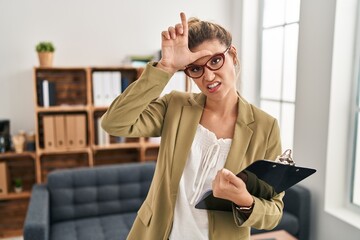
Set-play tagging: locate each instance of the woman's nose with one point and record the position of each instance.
(209, 75)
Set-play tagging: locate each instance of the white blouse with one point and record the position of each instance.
(207, 155)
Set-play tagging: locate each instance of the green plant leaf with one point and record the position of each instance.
(45, 47)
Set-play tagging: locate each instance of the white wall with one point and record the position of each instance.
(312, 112)
(85, 33)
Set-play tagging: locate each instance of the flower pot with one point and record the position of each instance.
(18, 189)
(46, 59)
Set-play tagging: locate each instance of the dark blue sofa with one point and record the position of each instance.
(101, 203)
(97, 203)
(296, 216)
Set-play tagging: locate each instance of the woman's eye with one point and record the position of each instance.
(215, 60)
(195, 69)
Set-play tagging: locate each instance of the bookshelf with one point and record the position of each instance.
(85, 93)
(68, 133)
(67, 95)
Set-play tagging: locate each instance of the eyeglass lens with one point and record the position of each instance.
(214, 63)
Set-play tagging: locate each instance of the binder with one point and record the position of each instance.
(70, 125)
(80, 130)
(116, 84)
(97, 89)
(60, 138)
(4, 179)
(107, 88)
(273, 176)
(49, 132)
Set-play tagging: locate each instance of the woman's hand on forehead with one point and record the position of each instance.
(175, 51)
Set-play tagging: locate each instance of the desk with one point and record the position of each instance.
(275, 235)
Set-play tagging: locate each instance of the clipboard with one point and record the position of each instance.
(273, 174)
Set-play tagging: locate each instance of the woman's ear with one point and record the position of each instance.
(233, 53)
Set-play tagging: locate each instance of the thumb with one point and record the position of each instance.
(199, 54)
(230, 176)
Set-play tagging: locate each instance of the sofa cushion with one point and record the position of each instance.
(289, 223)
(111, 227)
(91, 192)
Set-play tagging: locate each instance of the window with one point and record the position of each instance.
(343, 153)
(355, 109)
(280, 30)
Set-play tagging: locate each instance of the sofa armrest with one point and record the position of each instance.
(297, 202)
(36, 226)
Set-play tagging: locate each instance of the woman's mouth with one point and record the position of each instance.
(213, 87)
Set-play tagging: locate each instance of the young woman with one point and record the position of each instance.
(206, 138)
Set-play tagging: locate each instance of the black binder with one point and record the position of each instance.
(275, 175)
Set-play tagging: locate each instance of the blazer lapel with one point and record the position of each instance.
(190, 118)
(242, 137)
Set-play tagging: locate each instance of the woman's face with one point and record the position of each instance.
(216, 84)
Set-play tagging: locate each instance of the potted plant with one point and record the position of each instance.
(45, 52)
(18, 185)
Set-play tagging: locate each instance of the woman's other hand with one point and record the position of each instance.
(228, 186)
(174, 48)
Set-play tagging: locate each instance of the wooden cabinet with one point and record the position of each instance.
(13, 206)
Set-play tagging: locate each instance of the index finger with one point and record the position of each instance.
(184, 23)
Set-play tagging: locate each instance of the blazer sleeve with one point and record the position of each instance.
(267, 213)
(138, 111)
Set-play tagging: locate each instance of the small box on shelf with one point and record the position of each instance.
(4, 179)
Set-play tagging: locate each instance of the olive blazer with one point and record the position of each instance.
(139, 112)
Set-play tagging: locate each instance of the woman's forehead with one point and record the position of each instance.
(213, 46)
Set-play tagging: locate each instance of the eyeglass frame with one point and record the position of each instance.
(205, 65)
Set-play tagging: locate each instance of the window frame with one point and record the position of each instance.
(281, 101)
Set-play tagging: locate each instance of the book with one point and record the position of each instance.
(52, 94)
(45, 94)
(39, 90)
(48, 93)
(125, 82)
(269, 176)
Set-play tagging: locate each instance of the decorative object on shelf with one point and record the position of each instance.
(45, 52)
(19, 142)
(18, 185)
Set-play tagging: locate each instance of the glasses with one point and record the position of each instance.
(214, 63)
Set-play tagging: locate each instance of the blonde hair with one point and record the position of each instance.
(201, 31)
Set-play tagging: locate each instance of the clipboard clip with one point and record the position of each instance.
(285, 158)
